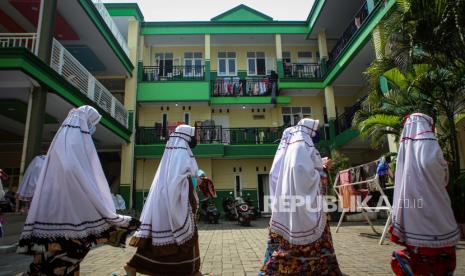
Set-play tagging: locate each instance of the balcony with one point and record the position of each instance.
(302, 71)
(218, 135)
(236, 87)
(64, 63)
(173, 73)
(111, 25)
(349, 33)
(21, 40)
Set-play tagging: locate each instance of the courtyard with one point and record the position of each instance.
(229, 249)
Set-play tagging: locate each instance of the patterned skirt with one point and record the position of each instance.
(420, 261)
(63, 256)
(174, 260)
(317, 258)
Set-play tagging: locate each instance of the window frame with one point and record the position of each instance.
(227, 60)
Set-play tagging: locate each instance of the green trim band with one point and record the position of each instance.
(125, 9)
(97, 19)
(22, 59)
(314, 14)
(249, 100)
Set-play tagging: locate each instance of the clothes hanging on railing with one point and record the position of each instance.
(228, 87)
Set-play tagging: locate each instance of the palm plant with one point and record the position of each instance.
(423, 61)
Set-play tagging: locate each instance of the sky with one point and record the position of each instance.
(204, 10)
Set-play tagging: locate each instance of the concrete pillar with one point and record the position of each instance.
(323, 49)
(130, 93)
(322, 45)
(38, 100)
(207, 57)
(279, 56)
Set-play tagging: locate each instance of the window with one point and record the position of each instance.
(304, 57)
(256, 64)
(164, 61)
(193, 64)
(258, 117)
(237, 186)
(187, 118)
(318, 57)
(227, 64)
(292, 115)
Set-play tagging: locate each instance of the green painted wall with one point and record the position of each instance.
(241, 151)
(125, 9)
(180, 91)
(212, 150)
(249, 100)
(222, 28)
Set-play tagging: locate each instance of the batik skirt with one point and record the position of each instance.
(63, 256)
(317, 258)
(176, 260)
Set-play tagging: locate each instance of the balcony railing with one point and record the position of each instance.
(234, 86)
(358, 20)
(111, 25)
(302, 71)
(344, 121)
(218, 135)
(23, 40)
(64, 63)
(166, 73)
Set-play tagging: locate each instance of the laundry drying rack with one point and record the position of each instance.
(360, 182)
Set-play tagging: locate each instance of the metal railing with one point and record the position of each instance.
(234, 86)
(111, 25)
(302, 71)
(175, 72)
(218, 135)
(65, 64)
(14, 40)
(344, 121)
(357, 21)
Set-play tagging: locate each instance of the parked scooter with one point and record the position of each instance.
(229, 207)
(255, 211)
(244, 214)
(209, 210)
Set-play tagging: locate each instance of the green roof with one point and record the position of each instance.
(242, 13)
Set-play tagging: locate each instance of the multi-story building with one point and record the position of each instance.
(54, 56)
(240, 78)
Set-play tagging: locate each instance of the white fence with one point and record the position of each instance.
(11, 40)
(111, 24)
(69, 67)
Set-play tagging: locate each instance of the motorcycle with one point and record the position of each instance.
(255, 211)
(209, 210)
(244, 214)
(229, 207)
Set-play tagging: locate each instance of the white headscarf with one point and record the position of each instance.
(167, 215)
(422, 213)
(276, 167)
(72, 198)
(29, 181)
(300, 177)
